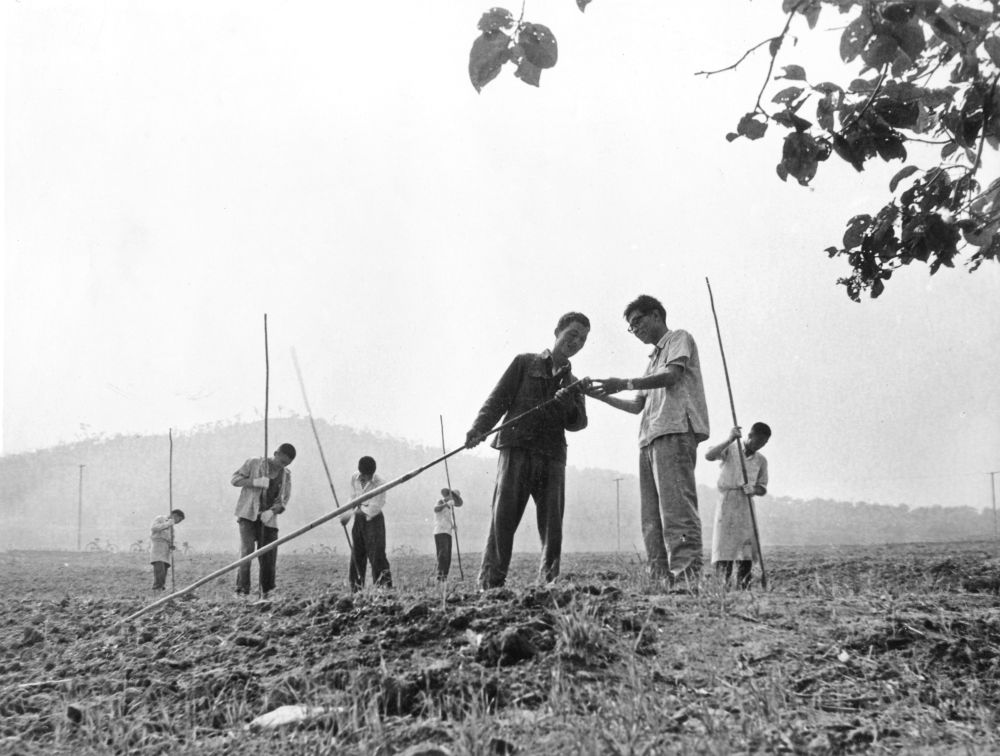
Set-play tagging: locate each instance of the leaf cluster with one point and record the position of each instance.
(928, 74)
(929, 71)
(530, 47)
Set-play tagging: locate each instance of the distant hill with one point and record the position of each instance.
(125, 484)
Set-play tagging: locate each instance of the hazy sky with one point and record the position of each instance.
(175, 171)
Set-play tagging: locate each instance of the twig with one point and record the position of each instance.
(774, 58)
(745, 55)
(868, 102)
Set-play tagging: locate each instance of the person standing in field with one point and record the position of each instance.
(533, 451)
(733, 541)
(265, 487)
(368, 531)
(670, 399)
(444, 521)
(161, 543)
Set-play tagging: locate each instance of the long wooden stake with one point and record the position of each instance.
(739, 445)
(330, 515)
(170, 497)
(267, 391)
(322, 457)
(454, 522)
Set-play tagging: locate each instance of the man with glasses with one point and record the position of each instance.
(670, 398)
(533, 451)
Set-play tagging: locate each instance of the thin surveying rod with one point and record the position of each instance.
(170, 514)
(993, 496)
(618, 511)
(79, 512)
(322, 457)
(330, 515)
(739, 444)
(454, 522)
(267, 392)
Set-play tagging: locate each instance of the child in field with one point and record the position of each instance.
(733, 537)
(368, 532)
(443, 524)
(161, 543)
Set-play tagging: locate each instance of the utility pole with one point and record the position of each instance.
(993, 497)
(79, 513)
(618, 510)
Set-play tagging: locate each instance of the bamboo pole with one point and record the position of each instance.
(739, 444)
(322, 457)
(354, 504)
(170, 514)
(267, 390)
(454, 522)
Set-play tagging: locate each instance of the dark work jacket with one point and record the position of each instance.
(525, 384)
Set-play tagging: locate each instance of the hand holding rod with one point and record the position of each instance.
(739, 444)
(454, 522)
(322, 457)
(328, 516)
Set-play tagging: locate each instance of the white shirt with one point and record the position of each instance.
(373, 507)
(443, 521)
(670, 410)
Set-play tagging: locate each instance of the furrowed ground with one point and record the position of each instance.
(891, 649)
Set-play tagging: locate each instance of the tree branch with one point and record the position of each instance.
(774, 58)
(745, 55)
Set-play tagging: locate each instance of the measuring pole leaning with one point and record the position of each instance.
(170, 503)
(454, 522)
(330, 515)
(739, 443)
(322, 457)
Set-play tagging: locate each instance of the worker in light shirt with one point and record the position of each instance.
(368, 531)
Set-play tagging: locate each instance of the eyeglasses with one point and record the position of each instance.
(634, 322)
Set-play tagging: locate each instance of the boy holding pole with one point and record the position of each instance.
(368, 531)
(733, 541)
(265, 488)
(161, 543)
(444, 521)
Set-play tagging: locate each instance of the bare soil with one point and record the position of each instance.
(891, 649)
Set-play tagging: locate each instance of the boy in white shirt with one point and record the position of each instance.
(443, 524)
(368, 531)
(733, 536)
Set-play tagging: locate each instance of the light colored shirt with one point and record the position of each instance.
(731, 474)
(248, 506)
(160, 535)
(671, 410)
(443, 522)
(373, 507)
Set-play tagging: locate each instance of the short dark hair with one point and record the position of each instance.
(645, 303)
(366, 466)
(177, 512)
(288, 450)
(761, 429)
(572, 317)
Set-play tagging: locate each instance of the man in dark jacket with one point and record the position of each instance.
(532, 451)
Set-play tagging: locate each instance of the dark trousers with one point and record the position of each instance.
(253, 536)
(369, 546)
(160, 575)
(724, 569)
(522, 473)
(442, 544)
